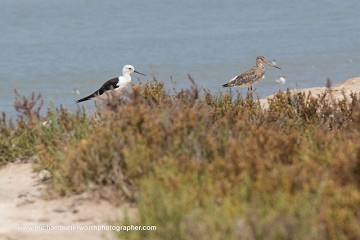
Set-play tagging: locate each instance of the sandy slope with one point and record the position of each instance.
(21, 204)
(338, 91)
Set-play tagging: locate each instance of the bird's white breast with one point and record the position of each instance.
(123, 81)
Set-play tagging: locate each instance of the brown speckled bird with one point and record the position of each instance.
(251, 76)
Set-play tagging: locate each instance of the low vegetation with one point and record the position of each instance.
(202, 165)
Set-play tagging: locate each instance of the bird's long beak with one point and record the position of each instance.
(271, 64)
(139, 73)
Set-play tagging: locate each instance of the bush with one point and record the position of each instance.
(214, 166)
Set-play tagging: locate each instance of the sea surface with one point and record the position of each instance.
(64, 48)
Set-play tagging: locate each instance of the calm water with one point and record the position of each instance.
(54, 47)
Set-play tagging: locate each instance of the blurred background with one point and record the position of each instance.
(67, 49)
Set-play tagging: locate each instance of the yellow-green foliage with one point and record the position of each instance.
(217, 166)
(33, 134)
(17, 138)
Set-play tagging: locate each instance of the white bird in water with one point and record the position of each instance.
(114, 85)
(281, 80)
(76, 92)
(273, 62)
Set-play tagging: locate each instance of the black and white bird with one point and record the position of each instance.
(117, 84)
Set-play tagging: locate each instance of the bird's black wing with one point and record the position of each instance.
(108, 85)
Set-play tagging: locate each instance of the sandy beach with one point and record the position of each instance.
(22, 204)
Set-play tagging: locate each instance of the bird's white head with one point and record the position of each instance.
(128, 69)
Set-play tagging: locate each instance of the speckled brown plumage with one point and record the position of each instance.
(251, 76)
